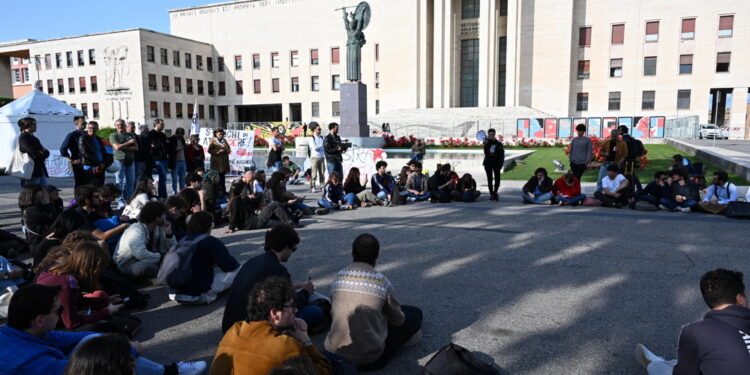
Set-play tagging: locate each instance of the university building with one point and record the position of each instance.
(283, 60)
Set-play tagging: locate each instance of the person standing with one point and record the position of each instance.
(125, 146)
(333, 150)
(580, 152)
(275, 149)
(28, 143)
(159, 155)
(220, 150)
(614, 151)
(494, 158)
(177, 163)
(317, 157)
(144, 165)
(94, 156)
(69, 149)
(194, 154)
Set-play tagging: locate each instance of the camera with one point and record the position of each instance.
(346, 144)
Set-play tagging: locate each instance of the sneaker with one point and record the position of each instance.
(312, 190)
(411, 199)
(321, 211)
(191, 368)
(685, 210)
(644, 356)
(663, 207)
(387, 203)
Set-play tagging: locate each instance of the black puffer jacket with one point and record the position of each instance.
(88, 154)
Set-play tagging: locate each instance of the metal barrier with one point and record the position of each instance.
(682, 127)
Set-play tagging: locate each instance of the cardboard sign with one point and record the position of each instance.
(241, 142)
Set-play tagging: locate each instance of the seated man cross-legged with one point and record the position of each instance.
(685, 193)
(141, 246)
(614, 188)
(567, 190)
(538, 189)
(719, 194)
(416, 184)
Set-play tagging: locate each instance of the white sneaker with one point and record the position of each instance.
(191, 368)
(312, 190)
(411, 199)
(644, 356)
(685, 209)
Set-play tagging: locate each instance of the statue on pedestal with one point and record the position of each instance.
(355, 22)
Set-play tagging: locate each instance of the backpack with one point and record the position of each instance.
(453, 359)
(176, 267)
(635, 148)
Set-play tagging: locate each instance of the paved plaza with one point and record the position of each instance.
(535, 289)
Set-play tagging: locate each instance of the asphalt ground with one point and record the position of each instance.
(533, 289)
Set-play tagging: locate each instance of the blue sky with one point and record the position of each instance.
(46, 19)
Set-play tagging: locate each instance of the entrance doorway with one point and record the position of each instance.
(720, 103)
(259, 113)
(295, 112)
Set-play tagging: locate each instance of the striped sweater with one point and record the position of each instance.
(364, 304)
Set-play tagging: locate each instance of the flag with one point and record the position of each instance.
(195, 126)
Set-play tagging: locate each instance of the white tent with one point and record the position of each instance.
(54, 121)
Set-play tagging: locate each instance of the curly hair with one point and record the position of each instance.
(271, 293)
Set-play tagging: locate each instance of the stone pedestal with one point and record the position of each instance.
(353, 110)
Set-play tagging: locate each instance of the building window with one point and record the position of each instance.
(314, 83)
(683, 99)
(294, 58)
(469, 86)
(614, 101)
(201, 113)
(92, 57)
(336, 109)
(469, 9)
(314, 57)
(315, 109)
(295, 84)
(188, 61)
(48, 61)
(377, 80)
(238, 87)
(199, 62)
(69, 59)
(274, 59)
(335, 82)
(211, 91)
(200, 87)
(722, 61)
(189, 86)
(583, 69)
(209, 64)
(256, 61)
(94, 85)
(220, 64)
(82, 84)
(618, 34)
(238, 62)
(164, 83)
(275, 85)
(167, 108)
(211, 112)
(190, 109)
(51, 89)
(163, 54)
(38, 62)
(176, 58)
(377, 51)
(615, 67)
(152, 82)
(652, 31)
(726, 24)
(256, 86)
(222, 88)
(95, 110)
(335, 55)
(647, 100)
(81, 60)
(178, 110)
(154, 109)
(584, 37)
(85, 109)
(177, 85)
(582, 101)
(377, 106)
(60, 86)
(649, 66)
(58, 60)
(150, 54)
(688, 29)
(71, 85)
(686, 64)
(16, 76)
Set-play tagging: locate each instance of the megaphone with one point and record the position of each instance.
(481, 136)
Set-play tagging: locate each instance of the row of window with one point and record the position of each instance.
(85, 109)
(80, 59)
(649, 65)
(71, 85)
(648, 100)
(687, 31)
(209, 85)
(167, 110)
(20, 75)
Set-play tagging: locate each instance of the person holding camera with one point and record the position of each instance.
(333, 148)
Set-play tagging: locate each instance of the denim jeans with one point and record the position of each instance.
(416, 157)
(349, 199)
(672, 205)
(539, 199)
(41, 181)
(572, 201)
(335, 167)
(125, 180)
(602, 173)
(178, 175)
(161, 170)
(302, 206)
(381, 195)
(276, 165)
(422, 197)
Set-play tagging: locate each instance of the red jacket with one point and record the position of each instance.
(560, 188)
(72, 301)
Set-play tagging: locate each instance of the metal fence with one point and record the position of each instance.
(682, 127)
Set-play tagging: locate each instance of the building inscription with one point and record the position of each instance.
(235, 7)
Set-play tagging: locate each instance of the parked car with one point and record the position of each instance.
(711, 131)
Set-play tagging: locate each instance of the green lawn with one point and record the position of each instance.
(659, 155)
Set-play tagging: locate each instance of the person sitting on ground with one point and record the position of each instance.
(369, 325)
(567, 190)
(37, 212)
(293, 168)
(272, 335)
(206, 281)
(246, 212)
(615, 152)
(719, 194)
(679, 161)
(718, 343)
(260, 181)
(54, 197)
(440, 185)
(177, 211)
(333, 195)
(538, 189)
(143, 193)
(141, 247)
(416, 188)
(648, 198)
(400, 184)
(276, 192)
(29, 344)
(280, 243)
(418, 150)
(57, 254)
(383, 185)
(353, 185)
(192, 193)
(685, 193)
(87, 200)
(109, 193)
(466, 189)
(209, 193)
(614, 188)
(106, 354)
(65, 223)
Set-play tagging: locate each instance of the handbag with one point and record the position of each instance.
(739, 209)
(21, 164)
(454, 359)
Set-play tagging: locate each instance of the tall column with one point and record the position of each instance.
(511, 75)
(443, 54)
(488, 13)
(425, 48)
(739, 113)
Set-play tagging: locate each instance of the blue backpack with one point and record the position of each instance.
(176, 267)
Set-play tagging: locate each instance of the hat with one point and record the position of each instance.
(52, 189)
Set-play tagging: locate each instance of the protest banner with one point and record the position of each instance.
(241, 142)
(364, 159)
(58, 166)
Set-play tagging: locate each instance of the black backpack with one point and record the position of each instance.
(454, 359)
(176, 267)
(635, 148)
